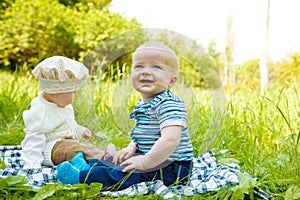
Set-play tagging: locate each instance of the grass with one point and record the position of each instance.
(259, 132)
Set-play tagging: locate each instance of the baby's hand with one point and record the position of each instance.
(135, 162)
(87, 134)
(83, 132)
(122, 155)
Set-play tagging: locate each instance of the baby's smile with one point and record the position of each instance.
(146, 81)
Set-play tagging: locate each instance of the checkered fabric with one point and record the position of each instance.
(206, 176)
(11, 155)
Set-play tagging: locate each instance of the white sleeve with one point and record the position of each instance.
(32, 148)
(39, 116)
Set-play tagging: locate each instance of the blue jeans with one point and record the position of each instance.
(112, 177)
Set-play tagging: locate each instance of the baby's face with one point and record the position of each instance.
(63, 99)
(151, 75)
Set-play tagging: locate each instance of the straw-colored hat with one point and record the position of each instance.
(59, 74)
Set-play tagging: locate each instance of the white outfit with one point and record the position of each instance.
(46, 123)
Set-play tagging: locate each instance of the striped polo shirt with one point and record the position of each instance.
(165, 109)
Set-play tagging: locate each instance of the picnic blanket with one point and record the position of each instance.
(206, 176)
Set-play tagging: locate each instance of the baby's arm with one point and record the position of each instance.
(32, 148)
(161, 150)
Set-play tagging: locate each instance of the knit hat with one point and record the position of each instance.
(59, 74)
(159, 51)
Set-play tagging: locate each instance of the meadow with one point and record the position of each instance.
(259, 132)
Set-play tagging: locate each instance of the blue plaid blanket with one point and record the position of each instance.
(206, 176)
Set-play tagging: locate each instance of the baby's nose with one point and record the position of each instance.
(146, 70)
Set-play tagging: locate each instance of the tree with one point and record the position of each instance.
(32, 30)
(229, 68)
(264, 60)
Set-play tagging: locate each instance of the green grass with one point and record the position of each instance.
(259, 132)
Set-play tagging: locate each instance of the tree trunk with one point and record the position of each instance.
(229, 69)
(264, 60)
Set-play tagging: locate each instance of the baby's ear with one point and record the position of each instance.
(172, 81)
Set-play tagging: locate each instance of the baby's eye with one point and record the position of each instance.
(157, 66)
(138, 66)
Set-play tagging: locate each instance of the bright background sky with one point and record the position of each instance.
(206, 20)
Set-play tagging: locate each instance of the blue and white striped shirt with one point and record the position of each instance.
(165, 109)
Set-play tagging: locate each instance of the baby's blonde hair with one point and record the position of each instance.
(166, 54)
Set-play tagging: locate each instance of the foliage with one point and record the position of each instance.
(286, 70)
(42, 28)
(15, 96)
(248, 73)
(14, 186)
(3, 5)
(97, 3)
(112, 57)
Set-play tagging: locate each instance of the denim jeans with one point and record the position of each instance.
(112, 177)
